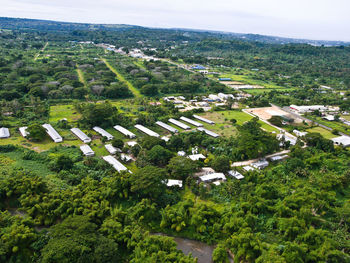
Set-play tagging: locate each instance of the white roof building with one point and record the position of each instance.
(125, 158)
(214, 97)
(23, 131)
(52, 133)
(278, 158)
(81, 135)
(165, 138)
(111, 149)
(299, 133)
(103, 133)
(167, 127)
(181, 153)
(124, 131)
(115, 163)
(4, 133)
(179, 124)
(260, 164)
(286, 138)
(248, 168)
(329, 117)
(196, 157)
(236, 174)
(87, 151)
(194, 123)
(213, 176)
(131, 143)
(303, 109)
(342, 141)
(172, 182)
(146, 130)
(203, 119)
(210, 133)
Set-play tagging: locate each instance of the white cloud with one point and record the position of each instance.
(314, 19)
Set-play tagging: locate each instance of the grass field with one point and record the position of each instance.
(332, 124)
(81, 76)
(58, 112)
(260, 91)
(325, 133)
(134, 90)
(223, 124)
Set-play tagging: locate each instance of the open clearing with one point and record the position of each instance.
(325, 133)
(58, 112)
(223, 125)
(267, 112)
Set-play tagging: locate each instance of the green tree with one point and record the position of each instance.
(181, 167)
(36, 132)
(221, 164)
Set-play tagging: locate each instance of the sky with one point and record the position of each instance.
(310, 19)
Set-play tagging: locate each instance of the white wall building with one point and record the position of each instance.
(342, 141)
(146, 130)
(124, 131)
(103, 132)
(4, 133)
(196, 157)
(23, 131)
(236, 174)
(179, 124)
(81, 135)
(172, 182)
(111, 149)
(212, 177)
(194, 123)
(87, 151)
(52, 133)
(115, 163)
(167, 127)
(203, 119)
(210, 133)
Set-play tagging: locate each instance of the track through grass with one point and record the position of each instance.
(134, 90)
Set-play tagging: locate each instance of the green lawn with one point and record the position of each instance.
(332, 124)
(58, 112)
(260, 91)
(325, 133)
(223, 124)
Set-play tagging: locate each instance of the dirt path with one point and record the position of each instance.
(81, 76)
(41, 50)
(135, 91)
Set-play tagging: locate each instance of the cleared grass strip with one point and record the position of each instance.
(41, 50)
(81, 76)
(135, 91)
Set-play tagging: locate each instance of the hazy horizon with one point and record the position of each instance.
(314, 20)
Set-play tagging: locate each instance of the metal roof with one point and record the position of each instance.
(81, 135)
(52, 133)
(4, 132)
(146, 130)
(103, 133)
(179, 124)
(210, 133)
(203, 119)
(213, 176)
(195, 123)
(166, 126)
(124, 131)
(87, 150)
(115, 163)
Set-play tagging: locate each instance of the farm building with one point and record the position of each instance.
(115, 163)
(87, 151)
(23, 131)
(203, 119)
(196, 157)
(303, 109)
(165, 138)
(52, 133)
(236, 174)
(210, 133)
(278, 158)
(81, 135)
(248, 168)
(111, 149)
(103, 133)
(146, 130)
(194, 123)
(212, 177)
(329, 117)
(166, 126)
(299, 133)
(284, 137)
(181, 153)
(131, 143)
(4, 133)
(342, 141)
(125, 158)
(179, 124)
(124, 131)
(260, 164)
(172, 182)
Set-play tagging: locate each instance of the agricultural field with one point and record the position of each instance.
(325, 133)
